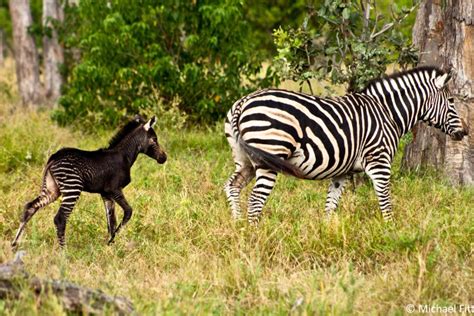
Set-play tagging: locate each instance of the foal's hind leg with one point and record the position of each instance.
(49, 193)
(69, 201)
(111, 219)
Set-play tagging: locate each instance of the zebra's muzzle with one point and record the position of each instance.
(459, 135)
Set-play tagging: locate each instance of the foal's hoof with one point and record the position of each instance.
(111, 241)
(14, 244)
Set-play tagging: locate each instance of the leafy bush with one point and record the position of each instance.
(346, 42)
(135, 55)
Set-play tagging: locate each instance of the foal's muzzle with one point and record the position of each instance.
(161, 157)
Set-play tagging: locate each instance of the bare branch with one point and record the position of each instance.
(385, 28)
(388, 26)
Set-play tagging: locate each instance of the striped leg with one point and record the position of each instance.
(110, 214)
(334, 194)
(263, 187)
(379, 173)
(68, 202)
(127, 211)
(49, 193)
(240, 178)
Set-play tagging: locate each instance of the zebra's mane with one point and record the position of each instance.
(125, 130)
(396, 75)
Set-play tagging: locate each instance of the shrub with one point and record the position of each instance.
(138, 54)
(347, 42)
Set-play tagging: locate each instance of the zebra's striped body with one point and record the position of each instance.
(70, 171)
(273, 131)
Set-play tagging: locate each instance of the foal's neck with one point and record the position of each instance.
(129, 148)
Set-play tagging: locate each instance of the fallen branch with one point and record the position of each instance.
(73, 297)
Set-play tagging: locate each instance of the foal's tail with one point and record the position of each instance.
(49, 190)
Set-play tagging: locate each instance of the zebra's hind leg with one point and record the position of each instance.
(244, 172)
(263, 187)
(379, 173)
(67, 205)
(110, 214)
(334, 194)
(49, 193)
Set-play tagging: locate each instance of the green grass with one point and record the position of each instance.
(183, 254)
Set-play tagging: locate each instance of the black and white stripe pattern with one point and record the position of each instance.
(105, 171)
(273, 131)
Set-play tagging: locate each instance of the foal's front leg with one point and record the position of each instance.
(127, 211)
(110, 214)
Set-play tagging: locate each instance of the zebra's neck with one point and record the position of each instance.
(404, 97)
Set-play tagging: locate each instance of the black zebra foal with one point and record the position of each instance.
(106, 171)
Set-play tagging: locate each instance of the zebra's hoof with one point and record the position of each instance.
(236, 216)
(253, 221)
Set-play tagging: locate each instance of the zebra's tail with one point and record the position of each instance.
(275, 163)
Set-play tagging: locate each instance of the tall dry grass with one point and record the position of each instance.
(183, 254)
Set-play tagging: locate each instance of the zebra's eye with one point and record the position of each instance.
(451, 100)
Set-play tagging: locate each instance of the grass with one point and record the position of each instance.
(183, 254)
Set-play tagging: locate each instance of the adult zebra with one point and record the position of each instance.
(274, 130)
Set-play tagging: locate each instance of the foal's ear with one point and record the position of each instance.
(138, 118)
(442, 80)
(150, 123)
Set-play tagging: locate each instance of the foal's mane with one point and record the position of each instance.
(124, 131)
(395, 75)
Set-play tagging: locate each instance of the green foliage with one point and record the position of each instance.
(345, 41)
(267, 15)
(135, 55)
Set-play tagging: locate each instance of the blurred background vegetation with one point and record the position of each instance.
(193, 59)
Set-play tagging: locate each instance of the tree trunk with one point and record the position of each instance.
(26, 55)
(52, 51)
(2, 48)
(444, 34)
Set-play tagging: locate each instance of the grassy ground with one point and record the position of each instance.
(182, 254)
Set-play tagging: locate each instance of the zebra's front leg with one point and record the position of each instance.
(110, 214)
(127, 211)
(67, 205)
(263, 187)
(334, 194)
(239, 179)
(379, 173)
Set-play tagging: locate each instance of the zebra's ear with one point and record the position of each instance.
(150, 123)
(442, 80)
